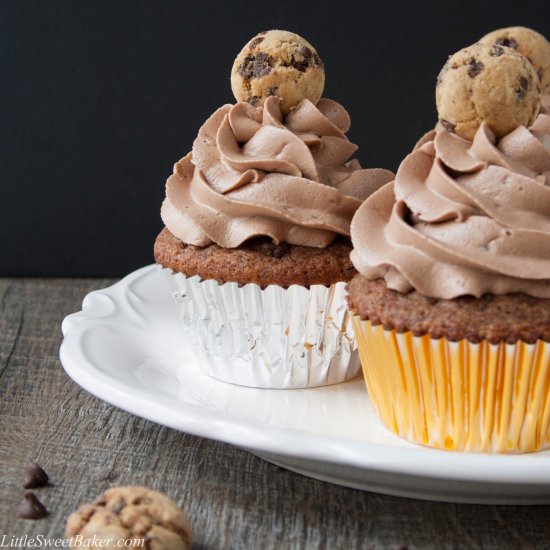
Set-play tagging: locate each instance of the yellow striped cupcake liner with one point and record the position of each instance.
(459, 396)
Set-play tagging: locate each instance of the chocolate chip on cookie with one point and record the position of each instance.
(529, 43)
(496, 50)
(447, 125)
(255, 66)
(132, 514)
(278, 63)
(474, 67)
(481, 83)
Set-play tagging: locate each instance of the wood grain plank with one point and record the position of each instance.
(234, 499)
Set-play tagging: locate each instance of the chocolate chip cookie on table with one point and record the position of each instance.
(130, 517)
(258, 221)
(452, 300)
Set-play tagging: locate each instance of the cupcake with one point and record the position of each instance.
(256, 244)
(451, 306)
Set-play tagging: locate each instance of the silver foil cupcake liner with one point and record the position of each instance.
(268, 337)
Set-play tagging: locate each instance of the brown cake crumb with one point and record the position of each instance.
(509, 318)
(258, 261)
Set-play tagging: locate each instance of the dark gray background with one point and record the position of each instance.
(98, 99)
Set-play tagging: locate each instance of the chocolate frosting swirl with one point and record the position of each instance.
(253, 173)
(463, 217)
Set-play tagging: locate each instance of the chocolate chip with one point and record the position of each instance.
(318, 60)
(273, 90)
(301, 59)
(496, 51)
(31, 507)
(255, 41)
(253, 100)
(521, 90)
(35, 476)
(447, 125)
(508, 42)
(474, 67)
(119, 506)
(255, 66)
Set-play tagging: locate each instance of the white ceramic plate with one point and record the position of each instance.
(127, 347)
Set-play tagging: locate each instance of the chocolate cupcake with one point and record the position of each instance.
(452, 301)
(257, 226)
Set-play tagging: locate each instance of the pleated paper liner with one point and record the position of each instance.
(458, 396)
(268, 337)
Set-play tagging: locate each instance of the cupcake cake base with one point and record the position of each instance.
(265, 315)
(441, 373)
(258, 261)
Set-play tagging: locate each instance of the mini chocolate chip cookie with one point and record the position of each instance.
(278, 63)
(132, 514)
(489, 83)
(529, 43)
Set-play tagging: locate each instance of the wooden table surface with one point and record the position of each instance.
(233, 499)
